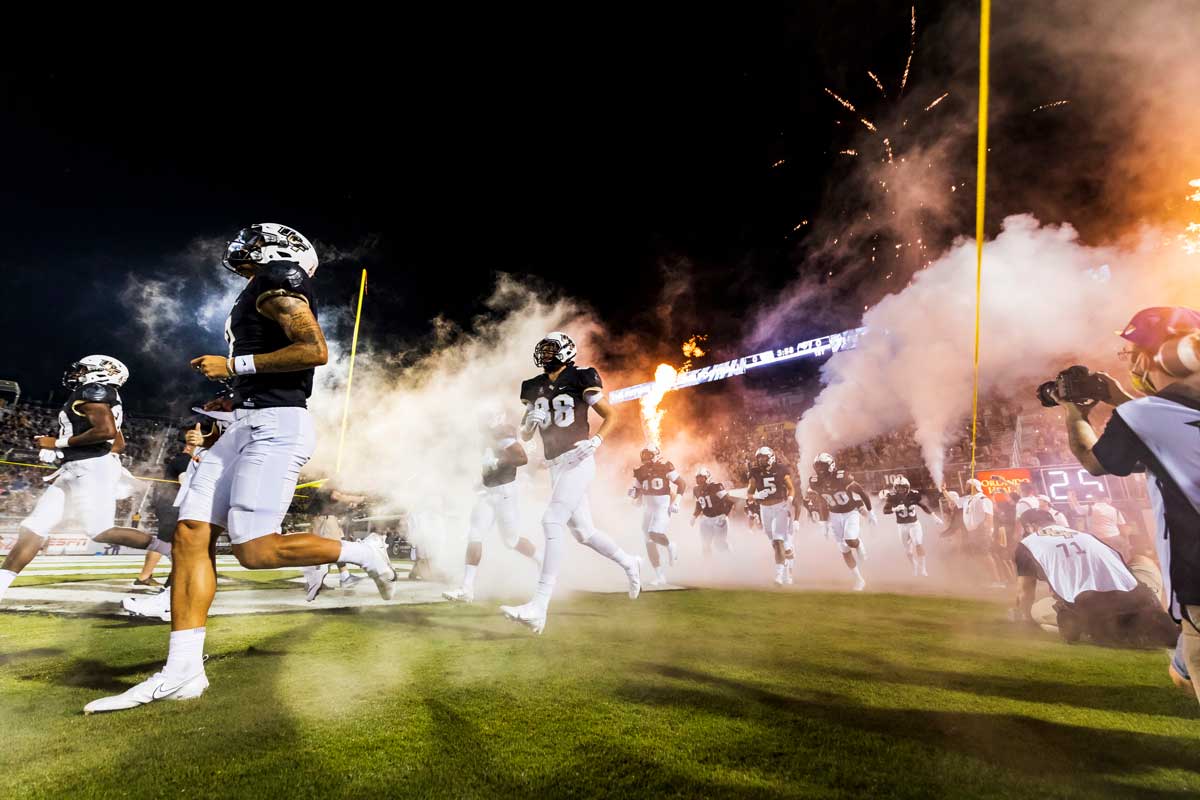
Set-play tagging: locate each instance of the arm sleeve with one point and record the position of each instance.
(1119, 450)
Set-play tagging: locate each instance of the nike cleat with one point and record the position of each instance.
(531, 615)
(459, 596)
(156, 687)
(314, 581)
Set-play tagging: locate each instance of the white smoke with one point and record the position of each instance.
(1044, 303)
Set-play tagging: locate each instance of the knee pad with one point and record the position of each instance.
(579, 533)
(845, 548)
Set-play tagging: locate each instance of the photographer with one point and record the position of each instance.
(1157, 433)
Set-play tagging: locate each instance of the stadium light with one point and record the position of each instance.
(811, 348)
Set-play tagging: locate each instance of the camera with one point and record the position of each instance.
(1075, 384)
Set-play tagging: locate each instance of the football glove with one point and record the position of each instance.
(49, 456)
(762, 494)
(583, 450)
(674, 507)
(535, 418)
(490, 462)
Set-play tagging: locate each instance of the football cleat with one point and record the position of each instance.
(157, 687)
(314, 581)
(156, 605)
(531, 615)
(459, 596)
(349, 580)
(859, 584)
(634, 574)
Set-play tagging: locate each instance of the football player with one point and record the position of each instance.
(903, 501)
(771, 486)
(842, 499)
(87, 483)
(244, 484)
(712, 508)
(497, 505)
(556, 405)
(658, 486)
(328, 505)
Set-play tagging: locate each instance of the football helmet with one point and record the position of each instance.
(554, 350)
(264, 242)
(824, 465)
(1160, 338)
(650, 454)
(96, 369)
(703, 476)
(764, 457)
(901, 482)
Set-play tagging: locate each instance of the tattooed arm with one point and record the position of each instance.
(307, 348)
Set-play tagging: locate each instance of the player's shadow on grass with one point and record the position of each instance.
(88, 673)
(1091, 756)
(26, 655)
(434, 617)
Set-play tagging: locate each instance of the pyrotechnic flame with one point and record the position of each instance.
(779, 163)
(848, 152)
(867, 122)
(935, 102)
(1055, 104)
(692, 347)
(887, 145)
(1189, 240)
(652, 415)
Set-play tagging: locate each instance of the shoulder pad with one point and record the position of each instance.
(528, 393)
(97, 393)
(588, 378)
(281, 275)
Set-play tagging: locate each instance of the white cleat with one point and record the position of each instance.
(672, 554)
(859, 584)
(349, 581)
(156, 687)
(788, 580)
(314, 581)
(531, 615)
(381, 571)
(459, 596)
(634, 574)
(157, 606)
(778, 580)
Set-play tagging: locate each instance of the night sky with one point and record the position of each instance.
(589, 157)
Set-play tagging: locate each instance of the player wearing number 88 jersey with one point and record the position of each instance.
(556, 405)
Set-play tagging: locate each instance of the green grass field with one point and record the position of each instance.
(687, 694)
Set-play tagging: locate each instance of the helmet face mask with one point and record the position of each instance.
(96, 369)
(824, 464)
(901, 483)
(764, 457)
(264, 242)
(555, 350)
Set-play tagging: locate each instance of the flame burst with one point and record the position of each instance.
(1189, 240)
(652, 415)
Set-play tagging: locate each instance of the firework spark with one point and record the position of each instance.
(935, 102)
(779, 163)
(887, 146)
(878, 83)
(1189, 240)
(652, 415)
(1054, 104)
(912, 48)
(846, 103)
(867, 122)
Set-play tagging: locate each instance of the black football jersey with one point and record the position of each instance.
(500, 438)
(709, 501)
(564, 400)
(655, 477)
(72, 421)
(904, 506)
(249, 332)
(835, 491)
(770, 479)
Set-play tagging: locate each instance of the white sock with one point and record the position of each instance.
(365, 556)
(469, 578)
(661, 573)
(779, 570)
(856, 572)
(185, 654)
(7, 576)
(552, 558)
(609, 549)
(921, 561)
